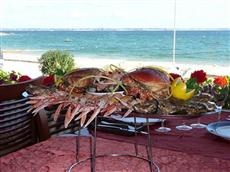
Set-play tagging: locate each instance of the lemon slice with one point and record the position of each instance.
(179, 90)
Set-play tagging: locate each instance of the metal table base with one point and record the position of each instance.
(93, 142)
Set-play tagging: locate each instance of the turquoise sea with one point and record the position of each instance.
(207, 47)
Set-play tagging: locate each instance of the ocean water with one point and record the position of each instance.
(203, 47)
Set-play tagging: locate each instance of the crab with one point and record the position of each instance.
(148, 83)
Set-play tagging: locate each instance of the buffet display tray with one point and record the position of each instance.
(173, 116)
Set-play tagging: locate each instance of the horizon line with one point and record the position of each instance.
(113, 29)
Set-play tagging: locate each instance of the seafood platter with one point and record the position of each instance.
(86, 93)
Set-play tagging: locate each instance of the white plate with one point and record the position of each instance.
(223, 131)
(139, 120)
(220, 128)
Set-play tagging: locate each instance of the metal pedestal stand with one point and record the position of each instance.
(93, 156)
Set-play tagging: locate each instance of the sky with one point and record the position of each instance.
(114, 14)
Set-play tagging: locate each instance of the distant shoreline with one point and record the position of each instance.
(21, 60)
(111, 29)
(32, 56)
(28, 64)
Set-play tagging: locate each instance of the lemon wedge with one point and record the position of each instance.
(179, 90)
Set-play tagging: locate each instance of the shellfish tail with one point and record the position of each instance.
(32, 101)
(57, 112)
(83, 119)
(33, 106)
(95, 113)
(38, 97)
(108, 107)
(127, 113)
(40, 103)
(75, 111)
(109, 112)
(68, 117)
(122, 102)
(40, 108)
(30, 109)
(83, 112)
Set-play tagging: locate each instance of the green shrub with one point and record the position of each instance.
(56, 62)
(227, 103)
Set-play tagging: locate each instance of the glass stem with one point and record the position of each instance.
(162, 123)
(219, 109)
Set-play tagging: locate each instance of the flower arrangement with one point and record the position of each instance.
(222, 85)
(221, 81)
(200, 82)
(199, 76)
(196, 80)
(227, 102)
(48, 81)
(13, 84)
(12, 77)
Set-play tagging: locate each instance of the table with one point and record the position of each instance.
(57, 153)
(205, 153)
(195, 141)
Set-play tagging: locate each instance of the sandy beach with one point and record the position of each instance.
(27, 63)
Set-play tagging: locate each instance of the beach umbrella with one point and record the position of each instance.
(174, 35)
(174, 68)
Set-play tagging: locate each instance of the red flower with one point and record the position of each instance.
(174, 76)
(221, 81)
(199, 76)
(48, 81)
(24, 78)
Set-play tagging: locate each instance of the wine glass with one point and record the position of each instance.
(183, 127)
(198, 124)
(162, 128)
(228, 118)
(220, 94)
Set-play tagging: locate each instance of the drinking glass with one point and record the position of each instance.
(220, 95)
(162, 128)
(183, 127)
(198, 124)
(228, 118)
